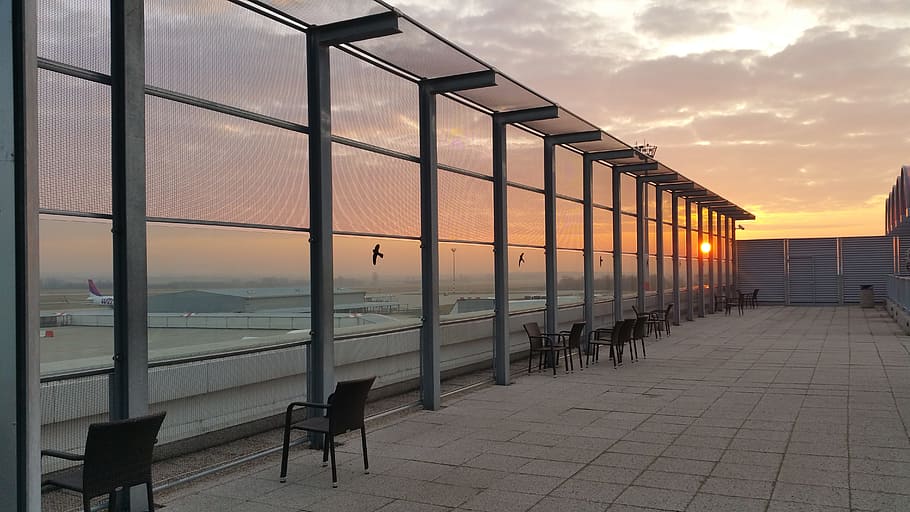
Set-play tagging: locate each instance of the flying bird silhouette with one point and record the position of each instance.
(376, 254)
(521, 259)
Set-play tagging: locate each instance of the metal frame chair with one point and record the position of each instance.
(545, 343)
(118, 456)
(343, 413)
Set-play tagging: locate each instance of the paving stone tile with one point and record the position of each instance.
(550, 468)
(497, 462)
(410, 506)
(702, 441)
(665, 480)
(608, 474)
(812, 494)
(637, 448)
(623, 460)
(662, 499)
(588, 490)
(349, 502)
(554, 504)
(736, 487)
(868, 500)
(527, 484)
(745, 471)
(696, 453)
(714, 503)
(494, 500)
(881, 483)
(686, 466)
(790, 506)
(466, 476)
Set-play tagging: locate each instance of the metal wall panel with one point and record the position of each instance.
(812, 271)
(761, 265)
(866, 260)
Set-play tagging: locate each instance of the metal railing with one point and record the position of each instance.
(899, 290)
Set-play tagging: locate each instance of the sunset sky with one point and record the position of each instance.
(796, 110)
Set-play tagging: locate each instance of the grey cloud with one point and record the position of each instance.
(841, 10)
(674, 20)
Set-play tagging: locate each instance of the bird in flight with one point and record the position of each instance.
(521, 259)
(376, 254)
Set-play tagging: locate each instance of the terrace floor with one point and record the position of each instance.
(782, 409)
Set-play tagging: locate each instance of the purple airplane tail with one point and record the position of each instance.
(92, 289)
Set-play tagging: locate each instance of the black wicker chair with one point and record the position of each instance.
(343, 413)
(118, 456)
(572, 340)
(543, 343)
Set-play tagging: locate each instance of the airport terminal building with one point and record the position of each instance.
(426, 204)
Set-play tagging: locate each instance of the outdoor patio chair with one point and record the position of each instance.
(639, 331)
(572, 340)
(542, 344)
(737, 303)
(663, 318)
(118, 456)
(343, 413)
(601, 336)
(620, 338)
(752, 300)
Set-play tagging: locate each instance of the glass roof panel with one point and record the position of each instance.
(567, 122)
(322, 12)
(507, 95)
(607, 143)
(420, 53)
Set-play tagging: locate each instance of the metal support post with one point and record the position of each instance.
(588, 197)
(641, 234)
(501, 330)
(659, 238)
(617, 246)
(129, 390)
(728, 267)
(20, 404)
(712, 254)
(549, 192)
(689, 310)
(430, 378)
(321, 351)
(675, 241)
(701, 262)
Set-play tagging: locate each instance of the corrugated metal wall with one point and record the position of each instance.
(761, 265)
(812, 271)
(866, 260)
(817, 270)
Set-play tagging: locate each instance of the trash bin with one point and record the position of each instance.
(866, 296)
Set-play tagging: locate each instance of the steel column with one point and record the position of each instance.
(617, 246)
(430, 338)
(321, 351)
(20, 411)
(501, 356)
(728, 267)
(641, 226)
(588, 197)
(549, 192)
(675, 241)
(689, 310)
(659, 238)
(430, 379)
(501, 330)
(129, 389)
(701, 262)
(710, 257)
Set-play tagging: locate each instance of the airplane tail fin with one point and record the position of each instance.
(92, 289)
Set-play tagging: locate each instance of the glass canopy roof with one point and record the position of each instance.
(421, 53)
